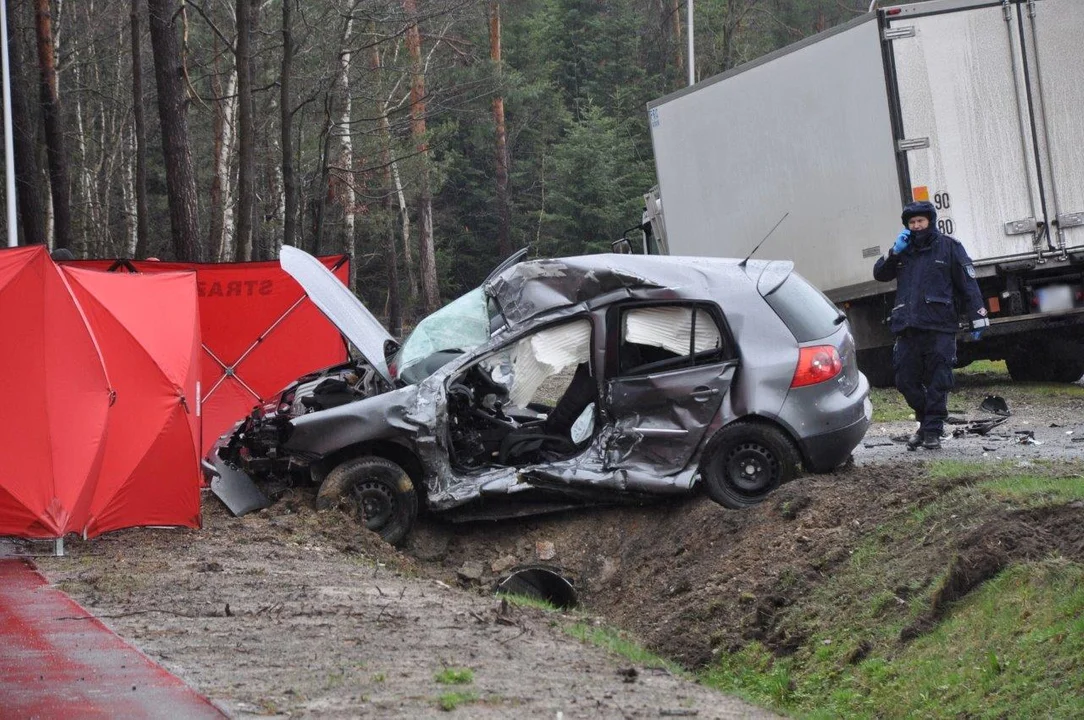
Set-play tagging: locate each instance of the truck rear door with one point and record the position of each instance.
(1052, 36)
(972, 80)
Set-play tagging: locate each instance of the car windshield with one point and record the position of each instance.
(458, 327)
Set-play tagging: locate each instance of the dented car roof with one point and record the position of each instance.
(532, 288)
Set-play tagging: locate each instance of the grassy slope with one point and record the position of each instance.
(1014, 647)
(972, 384)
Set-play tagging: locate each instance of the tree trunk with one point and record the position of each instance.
(404, 221)
(142, 231)
(221, 236)
(325, 177)
(289, 174)
(180, 178)
(127, 193)
(245, 131)
(85, 199)
(391, 260)
(675, 19)
(504, 215)
(54, 134)
(346, 152)
(427, 248)
(277, 196)
(27, 172)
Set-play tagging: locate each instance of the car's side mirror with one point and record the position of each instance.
(622, 246)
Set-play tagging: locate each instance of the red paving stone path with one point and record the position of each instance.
(58, 661)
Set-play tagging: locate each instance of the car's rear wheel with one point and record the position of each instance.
(745, 461)
(376, 492)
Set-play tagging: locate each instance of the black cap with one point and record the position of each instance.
(916, 209)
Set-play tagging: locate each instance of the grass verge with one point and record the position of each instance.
(1010, 647)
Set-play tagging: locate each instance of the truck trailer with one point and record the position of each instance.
(974, 105)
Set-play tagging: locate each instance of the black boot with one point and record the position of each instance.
(914, 441)
(931, 441)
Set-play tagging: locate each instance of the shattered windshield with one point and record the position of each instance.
(456, 328)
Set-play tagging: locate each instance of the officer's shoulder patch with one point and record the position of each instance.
(970, 271)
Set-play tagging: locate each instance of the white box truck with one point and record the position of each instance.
(974, 105)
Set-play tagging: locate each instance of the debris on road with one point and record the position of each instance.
(978, 427)
(995, 404)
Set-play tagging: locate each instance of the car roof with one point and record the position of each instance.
(534, 287)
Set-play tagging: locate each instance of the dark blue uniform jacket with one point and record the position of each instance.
(930, 273)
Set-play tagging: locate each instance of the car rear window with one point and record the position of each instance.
(804, 309)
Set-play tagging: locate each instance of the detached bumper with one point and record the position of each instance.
(823, 452)
(233, 487)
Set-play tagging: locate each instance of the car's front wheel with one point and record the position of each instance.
(745, 461)
(374, 490)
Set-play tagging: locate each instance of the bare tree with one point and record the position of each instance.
(289, 174)
(391, 260)
(427, 249)
(504, 216)
(59, 182)
(180, 178)
(225, 120)
(346, 147)
(246, 199)
(675, 20)
(320, 201)
(140, 137)
(27, 171)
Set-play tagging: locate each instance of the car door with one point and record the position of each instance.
(671, 366)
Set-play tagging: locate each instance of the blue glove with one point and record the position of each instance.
(902, 241)
(978, 327)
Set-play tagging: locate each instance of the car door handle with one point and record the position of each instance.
(704, 393)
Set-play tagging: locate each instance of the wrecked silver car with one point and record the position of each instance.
(560, 382)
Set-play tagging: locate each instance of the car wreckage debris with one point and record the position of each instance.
(978, 427)
(995, 404)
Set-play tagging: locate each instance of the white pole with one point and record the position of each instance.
(692, 44)
(9, 145)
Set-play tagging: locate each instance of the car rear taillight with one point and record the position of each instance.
(816, 364)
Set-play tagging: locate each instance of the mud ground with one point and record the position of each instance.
(288, 612)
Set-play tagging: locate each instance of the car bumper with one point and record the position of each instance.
(828, 450)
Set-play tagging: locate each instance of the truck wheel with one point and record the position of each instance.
(1059, 362)
(374, 491)
(746, 461)
(876, 365)
(1021, 368)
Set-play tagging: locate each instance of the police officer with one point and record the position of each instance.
(933, 274)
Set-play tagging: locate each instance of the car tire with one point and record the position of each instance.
(376, 492)
(745, 462)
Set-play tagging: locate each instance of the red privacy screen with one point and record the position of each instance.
(259, 333)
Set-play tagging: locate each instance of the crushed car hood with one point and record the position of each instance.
(340, 306)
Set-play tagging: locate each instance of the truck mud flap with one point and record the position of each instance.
(235, 489)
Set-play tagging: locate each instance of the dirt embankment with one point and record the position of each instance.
(293, 612)
(692, 579)
(290, 612)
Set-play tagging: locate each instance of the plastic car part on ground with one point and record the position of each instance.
(995, 404)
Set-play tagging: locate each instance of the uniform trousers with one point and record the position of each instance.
(923, 361)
